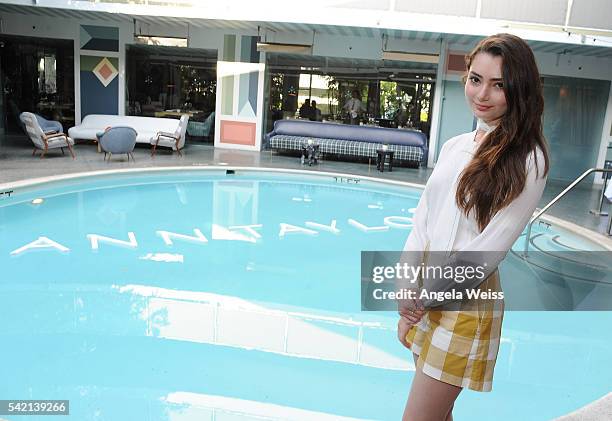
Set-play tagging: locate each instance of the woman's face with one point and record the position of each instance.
(484, 89)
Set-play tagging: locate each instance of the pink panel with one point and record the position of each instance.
(237, 132)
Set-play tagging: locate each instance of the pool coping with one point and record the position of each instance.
(591, 235)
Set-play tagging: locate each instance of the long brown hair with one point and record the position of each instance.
(497, 173)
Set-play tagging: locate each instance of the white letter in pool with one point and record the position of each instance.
(248, 228)
(40, 243)
(167, 237)
(288, 228)
(330, 228)
(365, 228)
(95, 239)
(220, 232)
(401, 222)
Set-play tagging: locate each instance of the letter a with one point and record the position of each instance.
(288, 228)
(40, 243)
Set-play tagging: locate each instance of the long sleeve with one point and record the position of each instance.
(417, 239)
(494, 242)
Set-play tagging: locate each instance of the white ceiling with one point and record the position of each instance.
(252, 26)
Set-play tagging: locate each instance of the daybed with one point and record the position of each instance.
(409, 146)
(146, 127)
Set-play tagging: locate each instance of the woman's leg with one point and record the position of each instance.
(429, 399)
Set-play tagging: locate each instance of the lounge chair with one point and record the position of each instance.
(118, 140)
(45, 140)
(175, 140)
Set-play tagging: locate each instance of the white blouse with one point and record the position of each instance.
(439, 223)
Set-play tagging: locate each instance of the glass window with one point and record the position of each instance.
(392, 93)
(574, 111)
(166, 81)
(37, 76)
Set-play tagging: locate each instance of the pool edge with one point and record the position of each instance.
(594, 236)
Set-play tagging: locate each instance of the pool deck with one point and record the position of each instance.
(17, 163)
(599, 410)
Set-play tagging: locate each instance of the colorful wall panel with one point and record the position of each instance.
(99, 38)
(99, 69)
(99, 85)
(239, 95)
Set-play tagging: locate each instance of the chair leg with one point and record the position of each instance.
(63, 153)
(132, 153)
(42, 155)
(105, 155)
(110, 154)
(71, 151)
(34, 152)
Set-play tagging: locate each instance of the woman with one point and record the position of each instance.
(481, 194)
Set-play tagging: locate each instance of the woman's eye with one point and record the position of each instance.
(474, 79)
(499, 85)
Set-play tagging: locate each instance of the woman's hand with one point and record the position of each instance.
(411, 312)
(403, 326)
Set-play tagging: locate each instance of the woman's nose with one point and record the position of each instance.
(483, 93)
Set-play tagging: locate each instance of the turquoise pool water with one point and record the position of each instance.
(255, 316)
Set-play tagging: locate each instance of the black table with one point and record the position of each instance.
(381, 157)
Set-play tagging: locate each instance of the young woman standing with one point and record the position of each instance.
(481, 194)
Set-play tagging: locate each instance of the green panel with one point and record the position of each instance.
(227, 98)
(229, 48)
(89, 62)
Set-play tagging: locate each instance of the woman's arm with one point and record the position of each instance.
(494, 242)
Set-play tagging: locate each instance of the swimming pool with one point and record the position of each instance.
(216, 294)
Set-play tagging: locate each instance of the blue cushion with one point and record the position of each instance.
(349, 132)
(45, 125)
(49, 125)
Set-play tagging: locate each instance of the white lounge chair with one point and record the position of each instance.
(175, 140)
(45, 141)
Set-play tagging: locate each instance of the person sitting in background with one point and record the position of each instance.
(305, 110)
(354, 107)
(315, 113)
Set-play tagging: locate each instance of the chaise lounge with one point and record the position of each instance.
(409, 146)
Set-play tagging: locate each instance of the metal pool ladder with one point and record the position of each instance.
(559, 196)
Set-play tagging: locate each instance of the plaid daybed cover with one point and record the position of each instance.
(346, 147)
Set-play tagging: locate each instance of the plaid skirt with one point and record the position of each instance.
(460, 347)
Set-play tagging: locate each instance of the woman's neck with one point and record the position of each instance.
(486, 127)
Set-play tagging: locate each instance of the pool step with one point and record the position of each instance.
(558, 276)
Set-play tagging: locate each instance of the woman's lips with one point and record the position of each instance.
(483, 107)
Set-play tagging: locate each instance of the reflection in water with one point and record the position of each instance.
(204, 317)
(184, 406)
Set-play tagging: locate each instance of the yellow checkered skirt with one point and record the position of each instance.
(460, 347)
